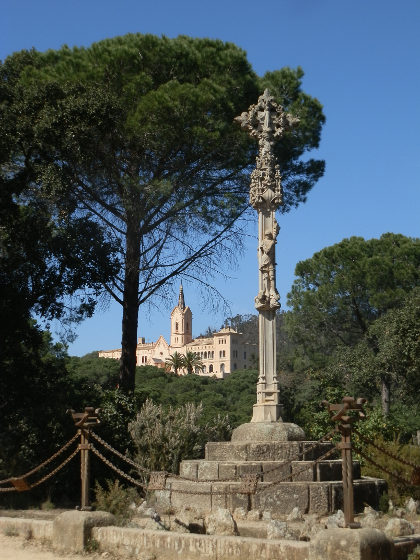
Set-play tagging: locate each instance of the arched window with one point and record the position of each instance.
(205, 355)
(235, 366)
(204, 370)
(222, 368)
(211, 368)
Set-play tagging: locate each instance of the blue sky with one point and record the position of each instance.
(361, 60)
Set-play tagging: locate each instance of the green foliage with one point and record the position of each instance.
(117, 410)
(192, 363)
(164, 436)
(398, 491)
(234, 395)
(415, 555)
(188, 361)
(383, 504)
(47, 505)
(133, 140)
(175, 362)
(355, 318)
(116, 499)
(342, 289)
(100, 372)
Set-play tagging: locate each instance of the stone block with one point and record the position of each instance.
(357, 473)
(72, 529)
(282, 498)
(228, 471)
(208, 470)
(350, 544)
(275, 470)
(189, 469)
(368, 491)
(161, 499)
(268, 431)
(319, 498)
(273, 451)
(226, 451)
(197, 496)
(28, 528)
(236, 500)
(134, 543)
(328, 470)
(310, 453)
(249, 468)
(303, 470)
(336, 496)
(244, 548)
(219, 497)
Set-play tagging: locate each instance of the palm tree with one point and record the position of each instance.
(192, 363)
(175, 362)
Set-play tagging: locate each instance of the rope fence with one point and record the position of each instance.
(250, 484)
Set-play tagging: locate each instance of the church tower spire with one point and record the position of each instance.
(181, 322)
(181, 301)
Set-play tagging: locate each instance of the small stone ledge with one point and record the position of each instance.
(330, 544)
(28, 528)
(351, 544)
(72, 529)
(171, 546)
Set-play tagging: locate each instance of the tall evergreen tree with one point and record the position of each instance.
(136, 134)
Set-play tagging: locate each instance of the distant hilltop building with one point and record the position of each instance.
(223, 352)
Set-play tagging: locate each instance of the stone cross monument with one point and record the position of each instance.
(266, 121)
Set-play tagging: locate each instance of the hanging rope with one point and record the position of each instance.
(386, 451)
(398, 477)
(20, 484)
(46, 462)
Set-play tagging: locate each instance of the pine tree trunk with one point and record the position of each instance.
(130, 308)
(385, 395)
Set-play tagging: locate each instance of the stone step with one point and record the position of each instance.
(265, 451)
(268, 471)
(310, 497)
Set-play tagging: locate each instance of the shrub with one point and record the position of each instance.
(398, 491)
(116, 499)
(163, 437)
(415, 555)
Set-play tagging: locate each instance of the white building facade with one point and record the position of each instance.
(221, 354)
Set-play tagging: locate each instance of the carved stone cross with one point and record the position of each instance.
(266, 121)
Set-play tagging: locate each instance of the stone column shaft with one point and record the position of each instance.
(265, 121)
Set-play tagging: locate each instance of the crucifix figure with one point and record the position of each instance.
(266, 121)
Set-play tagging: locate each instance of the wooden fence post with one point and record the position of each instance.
(85, 421)
(341, 413)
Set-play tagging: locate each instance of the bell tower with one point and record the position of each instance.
(181, 322)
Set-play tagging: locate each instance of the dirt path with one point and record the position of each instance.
(17, 548)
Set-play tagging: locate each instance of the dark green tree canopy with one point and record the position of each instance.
(342, 289)
(137, 134)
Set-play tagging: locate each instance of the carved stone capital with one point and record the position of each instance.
(266, 121)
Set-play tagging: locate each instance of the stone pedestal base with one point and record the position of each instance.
(287, 468)
(266, 412)
(268, 431)
(288, 472)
